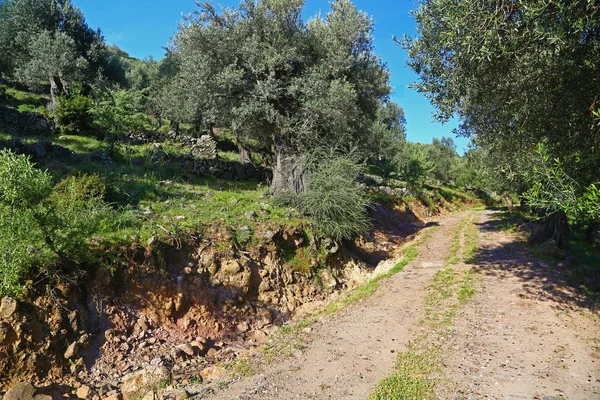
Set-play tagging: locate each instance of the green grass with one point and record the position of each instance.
(155, 198)
(471, 241)
(80, 144)
(410, 378)
(25, 101)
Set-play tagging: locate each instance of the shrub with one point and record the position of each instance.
(22, 192)
(42, 228)
(73, 114)
(588, 205)
(335, 201)
(80, 188)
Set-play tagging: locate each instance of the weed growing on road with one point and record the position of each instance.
(418, 368)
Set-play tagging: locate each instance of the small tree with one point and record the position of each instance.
(73, 114)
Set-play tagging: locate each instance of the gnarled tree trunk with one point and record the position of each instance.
(56, 89)
(174, 127)
(245, 155)
(289, 174)
(555, 226)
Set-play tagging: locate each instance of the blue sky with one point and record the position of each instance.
(143, 28)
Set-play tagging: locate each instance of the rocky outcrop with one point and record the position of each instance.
(39, 149)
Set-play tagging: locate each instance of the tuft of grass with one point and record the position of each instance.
(466, 288)
(241, 368)
(471, 242)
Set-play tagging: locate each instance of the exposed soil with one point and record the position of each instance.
(526, 334)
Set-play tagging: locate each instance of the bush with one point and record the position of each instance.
(22, 191)
(73, 114)
(42, 228)
(588, 205)
(80, 188)
(335, 201)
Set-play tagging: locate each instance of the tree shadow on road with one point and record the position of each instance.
(568, 286)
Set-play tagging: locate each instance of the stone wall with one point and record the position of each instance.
(25, 123)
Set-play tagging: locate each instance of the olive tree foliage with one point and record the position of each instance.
(292, 86)
(54, 58)
(416, 166)
(388, 138)
(517, 73)
(30, 33)
(445, 159)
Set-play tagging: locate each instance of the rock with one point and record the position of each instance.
(231, 267)
(114, 396)
(143, 379)
(100, 157)
(330, 246)
(42, 397)
(212, 373)
(72, 350)
(205, 148)
(5, 331)
(549, 248)
(159, 156)
(212, 352)
(8, 307)
(150, 395)
(250, 215)
(20, 391)
(38, 150)
(268, 236)
(200, 347)
(84, 392)
(242, 327)
(327, 279)
(187, 349)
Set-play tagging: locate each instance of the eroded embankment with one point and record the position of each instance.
(168, 311)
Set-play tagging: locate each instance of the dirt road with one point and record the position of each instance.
(524, 335)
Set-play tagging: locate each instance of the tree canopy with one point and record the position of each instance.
(513, 71)
(50, 40)
(296, 87)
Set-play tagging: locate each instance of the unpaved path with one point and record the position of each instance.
(348, 353)
(525, 334)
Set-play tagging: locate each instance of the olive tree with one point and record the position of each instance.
(32, 32)
(513, 72)
(292, 86)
